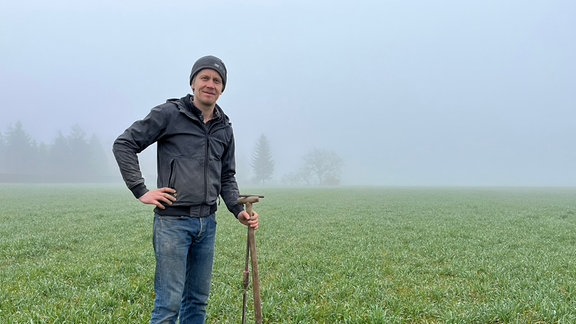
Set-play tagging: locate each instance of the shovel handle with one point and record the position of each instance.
(252, 254)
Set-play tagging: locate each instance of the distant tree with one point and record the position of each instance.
(323, 165)
(58, 156)
(68, 156)
(21, 157)
(43, 163)
(74, 158)
(262, 163)
(2, 153)
(300, 177)
(99, 165)
(79, 155)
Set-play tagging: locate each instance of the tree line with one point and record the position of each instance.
(69, 158)
(77, 157)
(319, 167)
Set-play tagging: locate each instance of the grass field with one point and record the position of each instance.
(83, 254)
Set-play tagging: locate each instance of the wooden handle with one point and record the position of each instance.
(255, 275)
(250, 199)
(251, 252)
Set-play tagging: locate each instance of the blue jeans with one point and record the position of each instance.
(184, 249)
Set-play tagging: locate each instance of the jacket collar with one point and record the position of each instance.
(186, 105)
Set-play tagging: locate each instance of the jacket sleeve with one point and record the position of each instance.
(134, 140)
(229, 192)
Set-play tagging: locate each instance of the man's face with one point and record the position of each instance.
(207, 88)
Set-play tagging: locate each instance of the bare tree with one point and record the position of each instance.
(262, 163)
(324, 165)
(300, 177)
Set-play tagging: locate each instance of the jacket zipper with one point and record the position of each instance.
(206, 159)
(209, 129)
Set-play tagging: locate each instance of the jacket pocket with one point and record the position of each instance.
(214, 180)
(187, 178)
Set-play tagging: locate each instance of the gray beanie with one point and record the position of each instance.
(209, 62)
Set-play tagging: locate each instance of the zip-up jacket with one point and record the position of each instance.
(194, 158)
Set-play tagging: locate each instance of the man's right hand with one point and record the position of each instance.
(159, 196)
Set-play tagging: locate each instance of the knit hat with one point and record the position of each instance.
(209, 62)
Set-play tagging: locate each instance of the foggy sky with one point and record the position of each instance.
(406, 92)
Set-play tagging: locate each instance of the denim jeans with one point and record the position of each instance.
(184, 249)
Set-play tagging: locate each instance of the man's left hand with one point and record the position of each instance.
(253, 221)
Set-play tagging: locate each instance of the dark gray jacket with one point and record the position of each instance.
(195, 159)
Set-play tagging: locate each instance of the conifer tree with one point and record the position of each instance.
(262, 163)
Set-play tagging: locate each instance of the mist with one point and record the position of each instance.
(407, 93)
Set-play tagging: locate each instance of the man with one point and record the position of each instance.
(196, 165)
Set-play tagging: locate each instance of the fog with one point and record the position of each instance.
(408, 93)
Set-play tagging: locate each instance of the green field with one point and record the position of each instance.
(83, 254)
